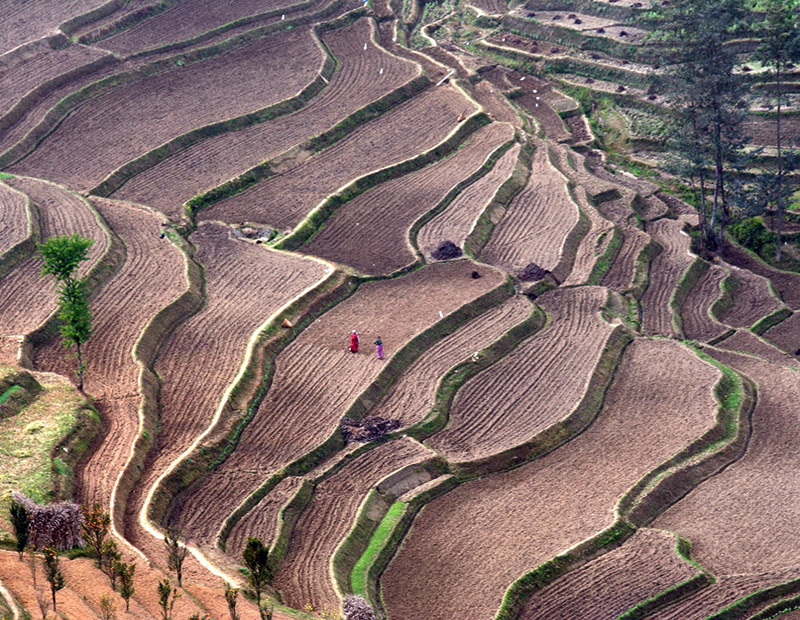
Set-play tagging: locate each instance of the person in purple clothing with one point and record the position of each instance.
(379, 348)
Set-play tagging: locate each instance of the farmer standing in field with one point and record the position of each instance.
(354, 342)
(379, 348)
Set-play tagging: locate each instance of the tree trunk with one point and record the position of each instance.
(80, 374)
(53, 592)
(780, 166)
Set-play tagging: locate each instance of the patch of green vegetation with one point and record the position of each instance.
(376, 543)
(5, 175)
(8, 393)
(28, 439)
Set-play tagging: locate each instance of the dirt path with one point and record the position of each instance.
(370, 233)
(536, 385)
(285, 199)
(245, 285)
(356, 83)
(698, 324)
(458, 220)
(466, 547)
(128, 121)
(328, 519)
(752, 529)
(13, 217)
(665, 274)
(642, 567)
(151, 278)
(537, 221)
(26, 299)
(317, 378)
(413, 396)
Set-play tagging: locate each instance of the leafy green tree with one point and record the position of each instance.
(125, 574)
(109, 557)
(167, 595)
(780, 46)
(52, 572)
(256, 559)
(21, 521)
(62, 255)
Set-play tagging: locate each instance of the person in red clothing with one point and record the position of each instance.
(354, 342)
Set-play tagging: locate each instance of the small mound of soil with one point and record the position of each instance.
(446, 251)
(369, 429)
(531, 273)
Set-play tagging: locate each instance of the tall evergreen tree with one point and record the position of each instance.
(708, 97)
(780, 46)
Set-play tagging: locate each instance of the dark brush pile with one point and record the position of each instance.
(57, 525)
(446, 251)
(531, 273)
(356, 608)
(368, 429)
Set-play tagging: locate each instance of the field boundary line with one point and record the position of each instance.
(23, 249)
(316, 144)
(125, 21)
(144, 514)
(64, 107)
(370, 396)
(743, 606)
(440, 207)
(316, 218)
(84, 19)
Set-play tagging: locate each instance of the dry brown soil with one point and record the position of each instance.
(752, 300)
(698, 324)
(13, 217)
(285, 199)
(786, 334)
(745, 341)
(25, 21)
(370, 232)
(356, 83)
(317, 378)
(467, 546)
(125, 123)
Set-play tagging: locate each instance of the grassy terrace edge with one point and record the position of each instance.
(24, 248)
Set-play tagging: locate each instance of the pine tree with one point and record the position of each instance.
(21, 521)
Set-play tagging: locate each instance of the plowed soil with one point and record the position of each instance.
(542, 102)
(660, 401)
(22, 76)
(538, 384)
(741, 520)
(25, 21)
(328, 518)
(184, 21)
(786, 334)
(746, 341)
(245, 284)
(355, 83)
(151, 277)
(370, 232)
(537, 221)
(13, 217)
(414, 394)
(665, 274)
(262, 521)
(458, 220)
(285, 199)
(610, 585)
(493, 7)
(698, 324)
(26, 299)
(317, 378)
(787, 284)
(716, 597)
(125, 123)
(752, 300)
(620, 276)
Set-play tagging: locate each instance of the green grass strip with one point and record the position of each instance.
(747, 604)
(603, 264)
(771, 320)
(376, 543)
(9, 393)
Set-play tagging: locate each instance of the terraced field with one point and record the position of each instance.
(261, 179)
(357, 82)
